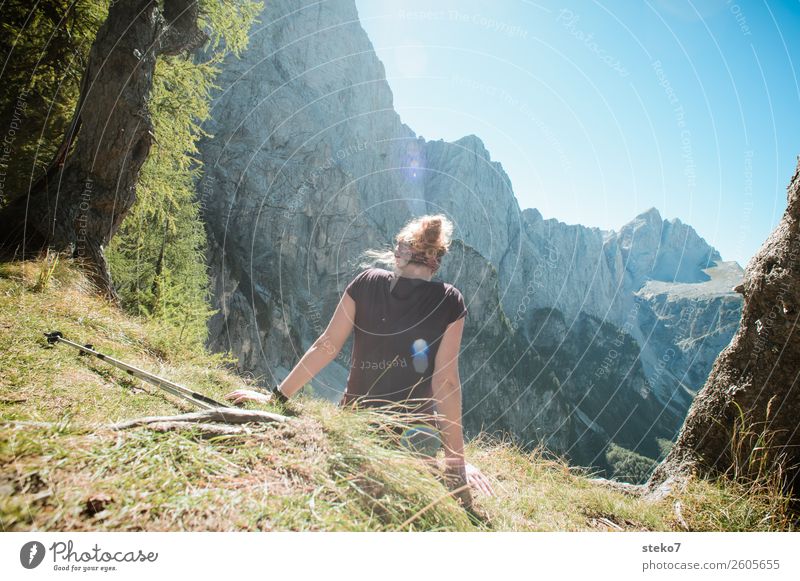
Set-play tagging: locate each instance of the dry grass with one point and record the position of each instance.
(326, 469)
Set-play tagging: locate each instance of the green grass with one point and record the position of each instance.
(326, 469)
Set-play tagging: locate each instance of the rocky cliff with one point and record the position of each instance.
(575, 336)
(743, 422)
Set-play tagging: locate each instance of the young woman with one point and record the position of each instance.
(405, 352)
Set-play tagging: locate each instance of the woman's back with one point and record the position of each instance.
(405, 354)
(398, 326)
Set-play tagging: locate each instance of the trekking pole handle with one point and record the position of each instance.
(169, 386)
(53, 337)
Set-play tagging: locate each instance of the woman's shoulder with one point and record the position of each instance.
(365, 279)
(374, 273)
(458, 307)
(451, 290)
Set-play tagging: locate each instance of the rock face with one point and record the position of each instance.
(685, 326)
(755, 377)
(309, 165)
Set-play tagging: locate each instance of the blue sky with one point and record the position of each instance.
(600, 110)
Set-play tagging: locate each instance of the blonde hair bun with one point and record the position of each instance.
(430, 234)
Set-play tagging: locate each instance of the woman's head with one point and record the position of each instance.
(422, 242)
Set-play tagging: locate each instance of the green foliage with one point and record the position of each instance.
(628, 466)
(49, 266)
(158, 256)
(229, 22)
(664, 446)
(44, 47)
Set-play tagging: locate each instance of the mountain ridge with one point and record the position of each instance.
(326, 169)
(325, 469)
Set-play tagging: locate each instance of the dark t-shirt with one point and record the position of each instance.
(397, 336)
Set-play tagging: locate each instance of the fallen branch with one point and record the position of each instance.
(222, 415)
(206, 430)
(679, 515)
(609, 523)
(57, 426)
(26, 424)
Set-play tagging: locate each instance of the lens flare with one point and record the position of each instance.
(413, 163)
(419, 355)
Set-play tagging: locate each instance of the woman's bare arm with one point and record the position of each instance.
(325, 348)
(323, 351)
(446, 384)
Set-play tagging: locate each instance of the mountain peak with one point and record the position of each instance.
(473, 143)
(651, 215)
(665, 250)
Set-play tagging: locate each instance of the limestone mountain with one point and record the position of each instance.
(575, 336)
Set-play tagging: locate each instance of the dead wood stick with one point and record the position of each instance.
(225, 416)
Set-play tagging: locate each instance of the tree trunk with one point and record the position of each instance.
(80, 201)
(744, 421)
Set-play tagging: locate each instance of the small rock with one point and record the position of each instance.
(97, 503)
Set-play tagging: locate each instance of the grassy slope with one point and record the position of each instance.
(326, 469)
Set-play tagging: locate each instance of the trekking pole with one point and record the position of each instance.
(197, 399)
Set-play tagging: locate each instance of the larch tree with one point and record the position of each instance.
(79, 202)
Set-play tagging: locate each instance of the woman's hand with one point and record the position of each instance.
(240, 396)
(459, 474)
(478, 480)
(456, 480)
